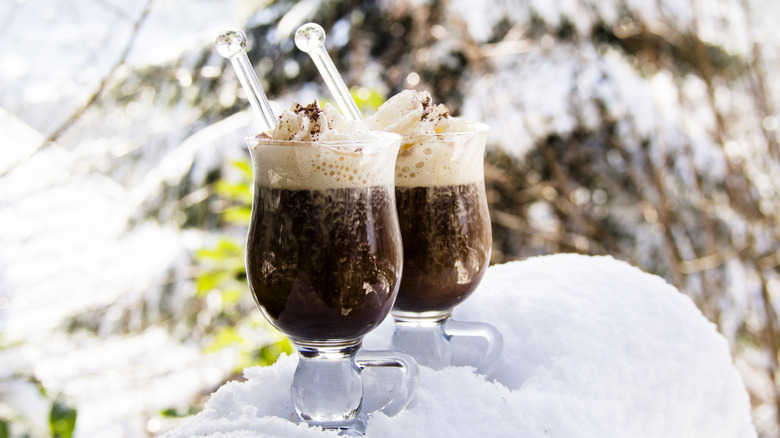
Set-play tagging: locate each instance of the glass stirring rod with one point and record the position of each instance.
(231, 44)
(310, 38)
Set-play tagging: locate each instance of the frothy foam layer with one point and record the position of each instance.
(324, 165)
(442, 159)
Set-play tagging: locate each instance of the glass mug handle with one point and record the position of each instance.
(495, 342)
(410, 375)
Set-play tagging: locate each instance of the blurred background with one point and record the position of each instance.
(642, 129)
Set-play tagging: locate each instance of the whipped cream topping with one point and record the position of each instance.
(335, 152)
(413, 112)
(315, 123)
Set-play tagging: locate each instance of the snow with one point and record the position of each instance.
(593, 348)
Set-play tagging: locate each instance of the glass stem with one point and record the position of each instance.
(426, 337)
(326, 389)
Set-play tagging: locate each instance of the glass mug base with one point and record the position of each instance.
(426, 337)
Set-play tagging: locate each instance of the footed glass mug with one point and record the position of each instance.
(447, 239)
(323, 259)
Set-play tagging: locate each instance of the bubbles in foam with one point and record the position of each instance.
(439, 160)
(335, 167)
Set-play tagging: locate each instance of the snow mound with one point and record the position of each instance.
(593, 348)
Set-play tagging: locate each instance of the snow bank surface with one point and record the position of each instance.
(593, 348)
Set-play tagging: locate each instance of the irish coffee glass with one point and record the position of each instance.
(445, 227)
(324, 260)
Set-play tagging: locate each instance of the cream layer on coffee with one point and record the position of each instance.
(346, 155)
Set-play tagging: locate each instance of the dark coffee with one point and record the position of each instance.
(446, 240)
(323, 264)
